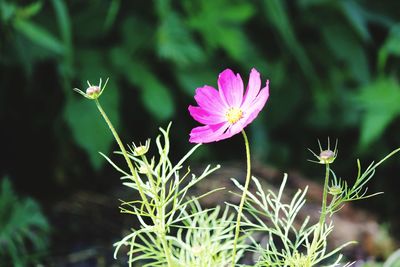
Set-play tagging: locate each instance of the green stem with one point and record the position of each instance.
(161, 212)
(324, 197)
(322, 217)
(243, 198)
(166, 250)
(136, 180)
(125, 154)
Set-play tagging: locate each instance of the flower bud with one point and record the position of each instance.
(327, 156)
(143, 169)
(93, 91)
(335, 190)
(141, 149)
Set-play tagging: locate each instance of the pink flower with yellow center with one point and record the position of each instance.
(226, 112)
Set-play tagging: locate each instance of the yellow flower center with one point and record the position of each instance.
(233, 115)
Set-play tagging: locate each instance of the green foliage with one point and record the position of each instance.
(220, 25)
(287, 244)
(303, 244)
(277, 14)
(39, 36)
(23, 228)
(318, 55)
(204, 236)
(10, 10)
(380, 103)
(392, 261)
(175, 42)
(391, 46)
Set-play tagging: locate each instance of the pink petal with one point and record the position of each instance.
(208, 98)
(204, 117)
(251, 117)
(235, 128)
(230, 88)
(253, 88)
(261, 99)
(208, 133)
(252, 112)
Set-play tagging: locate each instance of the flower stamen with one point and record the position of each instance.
(233, 115)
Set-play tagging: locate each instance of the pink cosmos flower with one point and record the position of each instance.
(226, 112)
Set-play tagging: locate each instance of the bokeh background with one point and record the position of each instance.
(333, 67)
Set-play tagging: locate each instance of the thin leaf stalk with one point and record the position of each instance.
(243, 198)
(388, 156)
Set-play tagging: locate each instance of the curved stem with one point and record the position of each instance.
(243, 198)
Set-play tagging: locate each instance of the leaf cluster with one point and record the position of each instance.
(292, 241)
(288, 243)
(172, 224)
(24, 229)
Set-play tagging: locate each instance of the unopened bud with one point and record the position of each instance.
(327, 156)
(335, 190)
(93, 90)
(143, 169)
(141, 149)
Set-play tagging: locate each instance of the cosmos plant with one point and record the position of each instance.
(176, 231)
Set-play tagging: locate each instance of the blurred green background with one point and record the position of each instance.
(333, 67)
